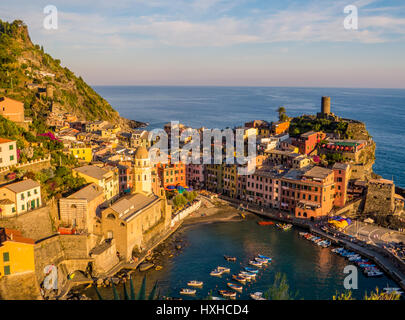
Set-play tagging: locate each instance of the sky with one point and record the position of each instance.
(222, 42)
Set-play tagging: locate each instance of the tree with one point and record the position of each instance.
(282, 114)
(280, 290)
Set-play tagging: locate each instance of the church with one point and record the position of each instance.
(136, 220)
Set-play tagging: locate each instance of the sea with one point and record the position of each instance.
(382, 110)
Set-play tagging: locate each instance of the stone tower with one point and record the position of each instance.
(325, 106)
(142, 171)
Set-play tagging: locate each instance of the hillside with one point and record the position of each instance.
(30, 75)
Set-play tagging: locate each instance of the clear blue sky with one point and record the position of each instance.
(222, 42)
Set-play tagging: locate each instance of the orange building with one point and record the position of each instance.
(341, 175)
(171, 173)
(280, 127)
(308, 193)
(12, 110)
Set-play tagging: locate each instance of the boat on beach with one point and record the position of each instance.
(195, 283)
(236, 287)
(188, 291)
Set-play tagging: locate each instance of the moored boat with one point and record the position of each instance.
(229, 258)
(255, 263)
(216, 273)
(249, 269)
(239, 278)
(188, 291)
(265, 223)
(252, 275)
(263, 261)
(236, 287)
(195, 283)
(228, 294)
(264, 257)
(223, 269)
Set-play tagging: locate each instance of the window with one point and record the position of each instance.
(6, 270)
(11, 158)
(6, 256)
(11, 147)
(23, 207)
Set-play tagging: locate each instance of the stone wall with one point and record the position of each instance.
(20, 286)
(380, 198)
(35, 224)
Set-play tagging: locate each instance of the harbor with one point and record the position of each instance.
(313, 271)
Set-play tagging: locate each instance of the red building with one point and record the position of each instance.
(171, 174)
(307, 142)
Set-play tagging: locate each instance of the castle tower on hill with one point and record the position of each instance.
(142, 171)
(326, 110)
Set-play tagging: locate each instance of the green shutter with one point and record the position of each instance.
(6, 256)
(6, 270)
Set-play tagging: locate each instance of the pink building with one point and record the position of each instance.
(264, 186)
(195, 175)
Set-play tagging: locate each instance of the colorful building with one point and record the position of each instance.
(8, 152)
(342, 176)
(82, 153)
(308, 192)
(105, 177)
(280, 127)
(16, 253)
(11, 109)
(308, 141)
(195, 175)
(26, 195)
(171, 174)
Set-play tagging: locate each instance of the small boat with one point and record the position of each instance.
(248, 269)
(216, 273)
(195, 283)
(252, 275)
(265, 223)
(264, 257)
(236, 287)
(158, 268)
(239, 279)
(390, 290)
(188, 291)
(375, 274)
(257, 296)
(263, 261)
(216, 298)
(223, 269)
(244, 276)
(228, 294)
(255, 263)
(229, 258)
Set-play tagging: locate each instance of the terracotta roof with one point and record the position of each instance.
(92, 171)
(2, 140)
(128, 206)
(15, 236)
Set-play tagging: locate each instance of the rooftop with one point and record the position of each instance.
(128, 206)
(2, 140)
(15, 236)
(93, 171)
(89, 192)
(22, 186)
(318, 172)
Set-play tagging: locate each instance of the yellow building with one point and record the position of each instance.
(82, 153)
(106, 177)
(16, 253)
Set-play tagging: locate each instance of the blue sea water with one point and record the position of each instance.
(383, 111)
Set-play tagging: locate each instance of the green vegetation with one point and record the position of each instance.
(282, 116)
(56, 182)
(280, 290)
(180, 200)
(23, 63)
(377, 295)
(140, 295)
(303, 124)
